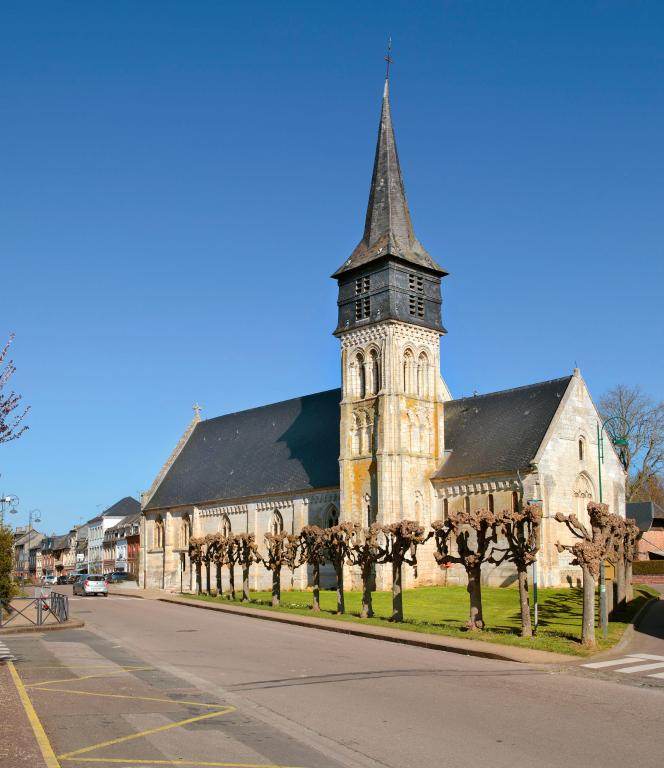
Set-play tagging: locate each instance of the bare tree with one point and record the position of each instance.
(281, 550)
(10, 418)
(208, 557)
(312, 552)
(243, 550)
(472, 533)
(591, 547)
(365, 552)
(520, 528)
(196, 545)
(218, 558)
(337, 546)
(644, 453)
(401, 542)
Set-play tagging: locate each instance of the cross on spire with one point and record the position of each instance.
(388, 59)
(197, 410)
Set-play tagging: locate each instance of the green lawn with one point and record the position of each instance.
(443, 611)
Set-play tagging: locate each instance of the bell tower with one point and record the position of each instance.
(389, 327)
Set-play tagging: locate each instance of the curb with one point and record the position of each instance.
(431, 642)
(70, 624)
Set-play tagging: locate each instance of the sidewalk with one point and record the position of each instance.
(18, 743)
(417, 639)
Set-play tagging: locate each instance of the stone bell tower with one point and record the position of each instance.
(389, 328)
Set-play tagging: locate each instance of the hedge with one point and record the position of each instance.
(646, 567)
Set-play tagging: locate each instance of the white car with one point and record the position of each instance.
(50, 580)
(90, 584)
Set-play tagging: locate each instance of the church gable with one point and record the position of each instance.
(278, 448)
(500, 431)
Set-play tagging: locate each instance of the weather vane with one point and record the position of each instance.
(388, 58)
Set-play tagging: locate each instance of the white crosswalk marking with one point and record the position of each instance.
(5, 653)
(631, 664)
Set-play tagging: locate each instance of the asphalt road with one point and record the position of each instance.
(172, 683)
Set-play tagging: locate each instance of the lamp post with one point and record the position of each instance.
(618, 440)
(34, 516)
(10, 500)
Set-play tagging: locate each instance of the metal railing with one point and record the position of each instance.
(34, 611)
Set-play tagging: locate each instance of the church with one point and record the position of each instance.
(392, 443)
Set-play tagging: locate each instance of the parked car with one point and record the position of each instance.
(118, 576)
(91, 584)
(61, 580)
(73, 577)
(49, 580)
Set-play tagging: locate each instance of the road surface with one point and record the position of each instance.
(150, 683)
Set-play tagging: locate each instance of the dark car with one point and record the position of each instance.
(72, 577)
(62, 580)
(119, 576)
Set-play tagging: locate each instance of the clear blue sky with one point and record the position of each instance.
(179, 179)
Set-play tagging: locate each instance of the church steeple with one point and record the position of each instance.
(388, 230)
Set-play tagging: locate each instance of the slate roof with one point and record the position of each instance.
(286, 446)
(644, 513)
(388, 230)
(500, 431)
(122, 508)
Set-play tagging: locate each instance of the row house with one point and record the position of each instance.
(26, 542)
(122, 545)
(101, 548)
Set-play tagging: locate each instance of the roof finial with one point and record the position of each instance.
(197, 410)
(389, 60)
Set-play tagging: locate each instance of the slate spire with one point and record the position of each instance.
(388, 230)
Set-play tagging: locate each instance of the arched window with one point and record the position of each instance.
(332, 517)
(185, 532)
(490, 501)
(408, 365)
(374, 362)
(466, 504)
(158, 540)
(583, 493)
(276, 523)
(226, 528)
(423, 375)
(361, 388)
(515, 501)
(582, 449)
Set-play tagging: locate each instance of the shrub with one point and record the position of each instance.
(648, 567)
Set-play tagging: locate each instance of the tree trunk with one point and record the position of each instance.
(367, 606)
(629, 590)
(316, 603)
(524, 603)
(276, 586)
(208, 577)
(245, 583)
(231, 580)
(588, 625)
(397, 596)
(220, 590)
(339, 570)
(199, 580)
(474, 588)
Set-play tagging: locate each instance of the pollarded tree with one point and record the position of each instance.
(365, 552)
(337, 547)
(196, 545)
(588, 551)
(401, 542)
(521, 529)
(218, 558)
(281, 550)
(312, 552)
(631, 533)
(208, 559)
(472, 533)
(243, 550)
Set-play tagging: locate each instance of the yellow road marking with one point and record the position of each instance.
(89, 677)
(127, 696)
(140, 734)
(173, 762)
(40, 734)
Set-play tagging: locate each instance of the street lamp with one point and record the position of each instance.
(34, 516)
(10, 500)
(618, 432)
